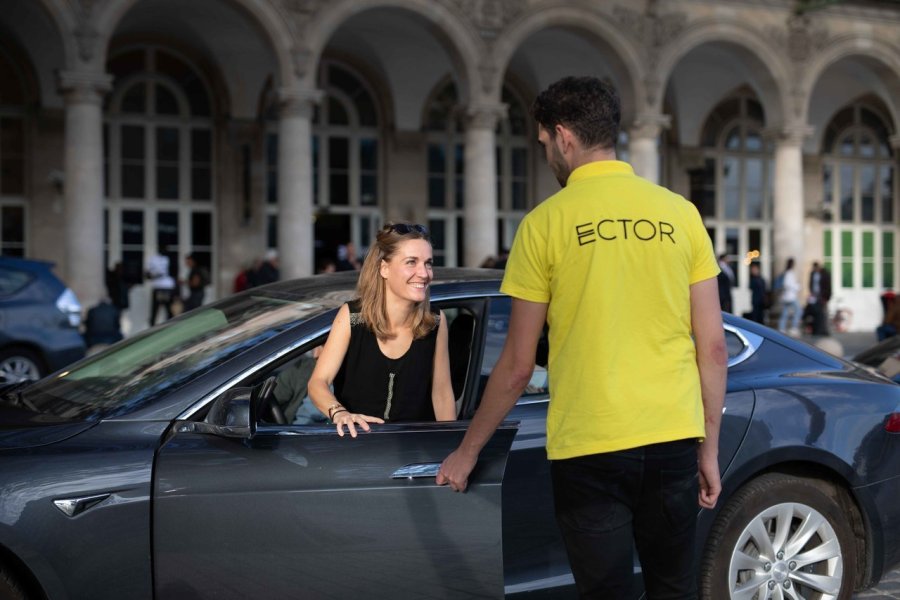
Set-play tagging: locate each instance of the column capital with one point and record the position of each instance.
(84, 87)
(484, 115)
(298, 102)
(648, 125)
(793, 134)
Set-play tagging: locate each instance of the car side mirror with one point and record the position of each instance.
(232, 414)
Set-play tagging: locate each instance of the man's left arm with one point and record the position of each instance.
(505, 385)
(712, 362)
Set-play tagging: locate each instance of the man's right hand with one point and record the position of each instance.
(455, 470)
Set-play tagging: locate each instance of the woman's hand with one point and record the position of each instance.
(344, 418)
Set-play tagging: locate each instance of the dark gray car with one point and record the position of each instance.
(166, 467)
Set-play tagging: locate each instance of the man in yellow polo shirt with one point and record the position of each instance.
(623, 272)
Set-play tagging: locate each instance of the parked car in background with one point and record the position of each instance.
(39, 320)
(884, 357)
(164, 467)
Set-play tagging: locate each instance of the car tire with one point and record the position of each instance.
(9, 588)
(798, 514)
(18, 364)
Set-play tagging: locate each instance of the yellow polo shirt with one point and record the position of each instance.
(615, 255)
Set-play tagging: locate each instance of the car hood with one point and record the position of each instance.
(21, 427)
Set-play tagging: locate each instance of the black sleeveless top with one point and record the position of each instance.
(370, 383)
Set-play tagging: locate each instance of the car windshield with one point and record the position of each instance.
(135, 372)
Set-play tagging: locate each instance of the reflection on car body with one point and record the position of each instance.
(156, 467)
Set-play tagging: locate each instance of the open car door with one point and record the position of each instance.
(299, 512)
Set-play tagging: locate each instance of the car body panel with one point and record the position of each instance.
(290, 506)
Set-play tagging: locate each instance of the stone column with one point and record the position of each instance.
(480, 216)
(295, 189)
(787, 214)
(643, 144)
(84, 271)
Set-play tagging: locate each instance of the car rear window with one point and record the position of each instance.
(12, 280)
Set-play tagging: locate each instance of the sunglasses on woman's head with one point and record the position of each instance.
(406, 228)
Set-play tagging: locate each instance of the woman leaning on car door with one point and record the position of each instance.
(386, 358)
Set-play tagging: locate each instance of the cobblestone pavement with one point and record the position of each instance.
(888, 589)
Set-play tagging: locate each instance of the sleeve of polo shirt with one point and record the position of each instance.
(705, 264)
(527, 274)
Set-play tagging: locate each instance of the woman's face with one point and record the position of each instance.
(408, 273)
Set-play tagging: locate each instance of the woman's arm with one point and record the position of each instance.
(441, 385)
(327, 367)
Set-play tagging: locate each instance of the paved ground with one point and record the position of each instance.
(850, 344)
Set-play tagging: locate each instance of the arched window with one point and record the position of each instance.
(733, 189)
(346, 155)
(13, 206)
(444, 124)
(158, 151)
(445, 137)
(860, 200)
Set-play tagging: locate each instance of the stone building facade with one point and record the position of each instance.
(228, 127)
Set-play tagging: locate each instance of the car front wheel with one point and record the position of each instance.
(781, 537)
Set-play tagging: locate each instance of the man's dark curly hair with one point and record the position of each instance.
(586, 105)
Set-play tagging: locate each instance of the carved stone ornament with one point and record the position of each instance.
(491, 16)
(650, 27)
(801, 39)
(86, 38)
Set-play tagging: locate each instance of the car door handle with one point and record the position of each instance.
(417, 470)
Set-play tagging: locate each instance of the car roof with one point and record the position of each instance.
(26, 264)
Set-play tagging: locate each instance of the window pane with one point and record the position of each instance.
(731, 181)
(368, 153)
(732, 248)
(846, 186)
(753, 142)
(272, 231)
(826, 243)
(132, 142)
(868, 275)
(888, 260)
(733, 139)
(166, 104)
(12, 176)
(336, 113)
(828, 192)
(866, 146)
(13, 232)
(887, 195)
(166, 182)
(868, 259)
(368, 193)
(167, 236)
(846, 148)
(436, 192)
(339, 153)
(201, 145)
(339, 189)
(201, 229)
(703, 188)
(437, 161)
(135, 99)
(201, 183)
(519, 195)
(133, 181)
(847, 259)
(519, 162)
(754, 188)
(867, 191)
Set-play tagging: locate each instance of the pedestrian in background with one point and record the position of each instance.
(725, 280)
(624, 273)
(788, 287)
(197, 280)
(162, 286)
(758, 295)
(819, 295)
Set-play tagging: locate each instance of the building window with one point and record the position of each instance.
(733, 188)
(346, 164)
(13, 205)
(158, 162)
(445, 128)
(860, 199)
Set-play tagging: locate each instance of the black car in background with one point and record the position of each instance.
(165, 467)
(884, 357)
(39, 320)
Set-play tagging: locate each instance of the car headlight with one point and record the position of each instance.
(69, 305)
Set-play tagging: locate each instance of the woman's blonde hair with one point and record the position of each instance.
(371, 285)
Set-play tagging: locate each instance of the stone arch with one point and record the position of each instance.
(463, 47)
(578, 19)
(273, 24)
(766, 63)
(882, 57)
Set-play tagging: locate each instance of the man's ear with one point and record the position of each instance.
(563, 138)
